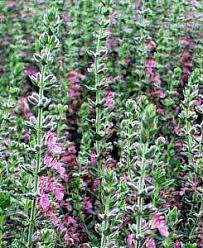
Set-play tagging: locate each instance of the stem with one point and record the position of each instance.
(97, 122)
(39, 158)
(141, 183)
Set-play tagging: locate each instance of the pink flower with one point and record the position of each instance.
(150, 243)
(159, 222)
(26, 137)
(69, 159)
(198, 102)
(150, 64)
(71, 239)
(59, 191)
(194, 3)
(180, 192)
(50, 141)
(56, 220)
(109, 99)
(45, 184)
(112, 79)
(156, 78)
(151, 45)
(72, 149)
(30, 71)
(177, 244)
(12, 5)
(44, 202)
(93, 158)
(160, 111)
(74, 87)
(71, 221)
(71, 93)
(49, 161)
(55, 165)
(87, 205)
(177, 130)
(158, 93)
(131, 240)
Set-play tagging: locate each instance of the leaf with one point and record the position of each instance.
(4, 200)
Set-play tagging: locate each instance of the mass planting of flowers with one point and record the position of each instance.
(101, 124)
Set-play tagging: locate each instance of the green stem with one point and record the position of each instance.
(98, 120)
(39, 158)
(141, 183)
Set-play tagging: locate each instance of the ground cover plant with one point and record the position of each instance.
(101, 128)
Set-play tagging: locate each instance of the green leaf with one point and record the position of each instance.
(4, 200)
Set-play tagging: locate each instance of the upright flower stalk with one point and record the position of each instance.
(47, 43)
(137, 150)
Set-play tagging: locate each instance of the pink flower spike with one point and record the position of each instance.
(59, 192)
(50, 141)
(109, 99)
(44, 202)
(159, 222)
(150, 64)
(150, 243)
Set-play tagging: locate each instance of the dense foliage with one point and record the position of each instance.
(101, 128)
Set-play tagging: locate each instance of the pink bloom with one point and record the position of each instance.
(113, 19)
(45, 184)
(44, 201)
(56, 221)
(109, 99)
(194, 185)
(71, 221)
(55, 165)
(87, 205)
(151, 45)
(177, 130)
(69, 159)
(95, 185)
(26, 137)
(158, 92)
(150, 64)
(180, 192)
(93, 158)
(50, 141)
(198, 102)
(71, 93)
(179, 145)
(156, 78)
(160, 111)
(194, 3)
(150, 243)
(30, 71)
(131, 240)
(159, 222)
(177, 244)
(72, 149)
(184, 41)
(59, 191)
(112, 79)
(12, 5)
(71, 239)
